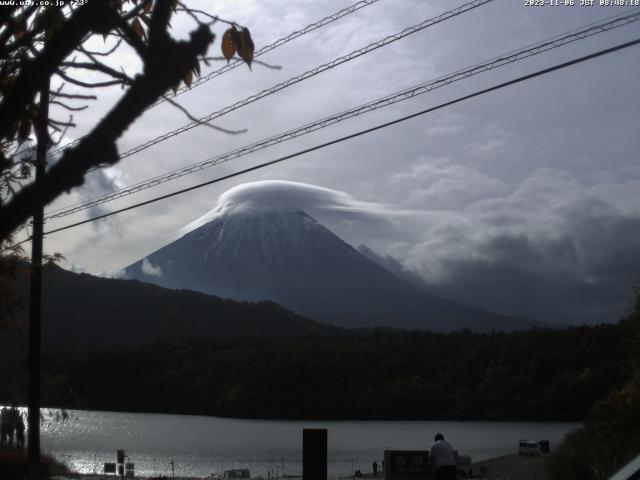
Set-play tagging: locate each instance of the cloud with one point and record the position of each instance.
(149, 269)
(100, 182)
(443, 130)
(287, 195)
(440, 184)
(552, 248)
(465, 195)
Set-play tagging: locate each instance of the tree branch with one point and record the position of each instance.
(200, 122)
(167, 63)
(92, 16)
(68, 107)
(99, 67)
(106, 53)
(80, 83)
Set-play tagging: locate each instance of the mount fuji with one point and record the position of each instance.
(288, 257)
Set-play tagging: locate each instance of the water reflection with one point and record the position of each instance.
(201, 446)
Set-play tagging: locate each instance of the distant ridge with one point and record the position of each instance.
(288, 257)
(84, 312)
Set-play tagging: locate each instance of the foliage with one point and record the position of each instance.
(38, 43)
(611, 434)
(532, 375)
(53, 47)
(13, 466)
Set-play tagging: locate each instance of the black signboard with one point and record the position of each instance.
(109, 468)
(314, 454)
(406, 464)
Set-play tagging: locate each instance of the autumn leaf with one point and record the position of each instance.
(228, 45)
(138, 29)
(145, 18)
(245, 46)
(196, 69)
(188, 78)
(19, 27)
(147, 6)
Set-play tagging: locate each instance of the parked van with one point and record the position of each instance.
(237, 474)
(529, 448)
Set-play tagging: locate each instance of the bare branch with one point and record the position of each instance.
(25, 40)
(131, 38)
(213, 18)
(92, 16)
(259, 62)
(73, 96)
(134, 12)
(106, 53)
(199, 122)
(68, 107)
(166, 64)
(99, 67)
(80, 83)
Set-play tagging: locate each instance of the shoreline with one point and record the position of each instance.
(513, 467)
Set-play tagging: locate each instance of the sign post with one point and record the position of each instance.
(314, 454)
(406, 465)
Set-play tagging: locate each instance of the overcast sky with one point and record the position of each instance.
(523, 201)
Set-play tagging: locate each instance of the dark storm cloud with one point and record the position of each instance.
(553, 249)
(524, 200)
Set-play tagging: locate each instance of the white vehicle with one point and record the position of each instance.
(529, 448)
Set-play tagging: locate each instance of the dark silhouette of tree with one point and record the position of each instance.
(610, 436)
(37, 43)
(384, 375)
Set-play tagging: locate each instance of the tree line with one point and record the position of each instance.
(539, 374)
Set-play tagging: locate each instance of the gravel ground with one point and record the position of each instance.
(512, 467)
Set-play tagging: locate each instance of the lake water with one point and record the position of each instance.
(200, 446)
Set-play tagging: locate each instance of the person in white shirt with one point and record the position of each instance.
(442, 459)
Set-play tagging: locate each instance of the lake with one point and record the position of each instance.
(200, 446)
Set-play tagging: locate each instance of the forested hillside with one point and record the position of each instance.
(610, 436)
(85, 312)
(537, 374)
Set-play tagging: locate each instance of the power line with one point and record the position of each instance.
(237, 62)
(349, 137)
(292, 36)
(516, 55)
(306, 75)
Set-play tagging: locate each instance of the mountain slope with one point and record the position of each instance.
(290, 258)
(83, 312)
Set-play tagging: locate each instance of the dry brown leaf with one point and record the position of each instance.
(245, 46)
(145, 18)
(19, 27)
(147, 6)
(138, 29)
(228, 45)
(188, 78)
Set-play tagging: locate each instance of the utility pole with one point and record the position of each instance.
(35, 300)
